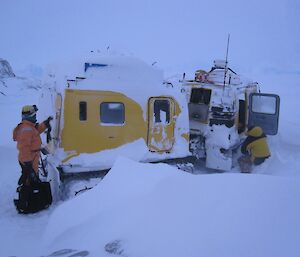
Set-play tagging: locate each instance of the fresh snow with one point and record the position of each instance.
(136, 150)
(105, 159)
(124, 74)
(156, 210)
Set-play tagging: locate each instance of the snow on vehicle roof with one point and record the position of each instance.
(112, 70)
(127, 75)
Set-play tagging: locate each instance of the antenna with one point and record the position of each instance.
(226, 62)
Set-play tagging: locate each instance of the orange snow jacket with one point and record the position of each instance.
(27, 135)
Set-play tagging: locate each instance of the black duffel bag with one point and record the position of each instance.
(33, 198)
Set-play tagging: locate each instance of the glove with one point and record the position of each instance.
(47, 122)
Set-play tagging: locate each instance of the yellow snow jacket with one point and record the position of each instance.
(256, 144)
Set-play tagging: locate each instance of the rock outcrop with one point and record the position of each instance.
(5, 69)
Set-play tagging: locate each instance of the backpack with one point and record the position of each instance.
(33, 198)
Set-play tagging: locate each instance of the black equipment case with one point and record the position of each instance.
(33, 198)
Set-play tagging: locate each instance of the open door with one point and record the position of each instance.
(161, 124)
(264, 112)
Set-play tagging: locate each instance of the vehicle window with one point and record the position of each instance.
(112, 113)
(200, 96)
(161, 111)
(264, 104)
(82, 111)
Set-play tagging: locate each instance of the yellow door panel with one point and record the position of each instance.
(161, 123)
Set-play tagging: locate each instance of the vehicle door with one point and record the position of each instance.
(264, 112)
(161, 123)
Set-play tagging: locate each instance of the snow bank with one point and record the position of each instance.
(156, 210)
(136, 150)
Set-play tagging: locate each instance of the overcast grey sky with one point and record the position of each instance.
(264, 33)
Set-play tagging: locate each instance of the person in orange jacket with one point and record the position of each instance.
(27, 135)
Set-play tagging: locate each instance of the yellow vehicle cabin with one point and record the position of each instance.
(118, 106)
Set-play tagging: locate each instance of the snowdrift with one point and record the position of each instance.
(157, 210)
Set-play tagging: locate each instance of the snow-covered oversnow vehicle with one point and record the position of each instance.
(221, 108)
(120, 106)
(116, 106)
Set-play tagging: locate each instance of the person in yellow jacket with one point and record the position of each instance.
(255, 148)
